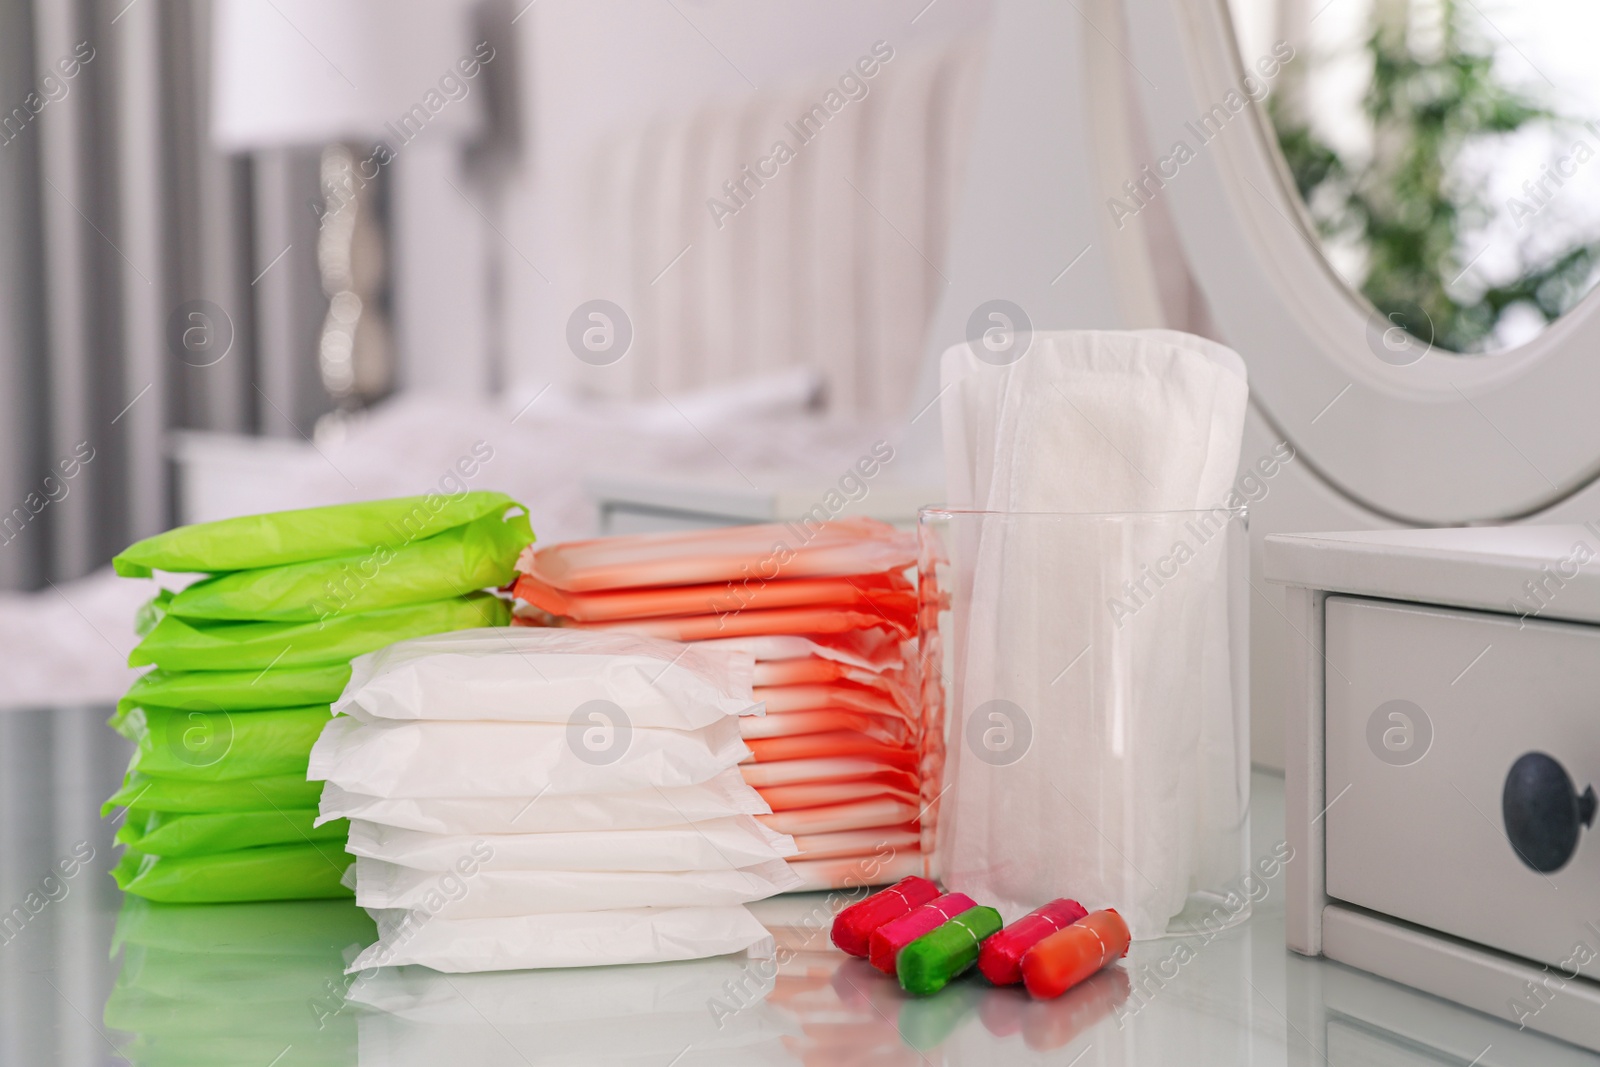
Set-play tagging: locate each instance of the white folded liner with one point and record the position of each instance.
(714, 844)
(882, 810)
(722, 795)
(891, 731)
(872, 650)
(826, 846)
(818, 769)
(488, 894)
(529, 674)
(573, 939)
(852, 872)
(515, 759)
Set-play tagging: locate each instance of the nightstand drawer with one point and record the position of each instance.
(1427, 709)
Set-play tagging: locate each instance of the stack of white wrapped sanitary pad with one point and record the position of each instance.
(550, 798)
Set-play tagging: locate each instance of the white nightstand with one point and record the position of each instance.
(1439, 751)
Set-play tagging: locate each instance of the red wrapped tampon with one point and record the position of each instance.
(852, 927)
(1000, 960)
(1073, 953)
(887, 940)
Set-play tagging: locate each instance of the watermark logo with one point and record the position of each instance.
(599, 332)
(1540, 192)
(806, 127)
(599, 732)
(1400, 336)
(851, 488)
(999, 733)
(1553, 578)
(1252, 87)
(453, 85)
(755, 981)
(53, 489)
(199, 736)
(52, 888)
(1399, 733)
(50, 90)
(999, 332)
(200, 333)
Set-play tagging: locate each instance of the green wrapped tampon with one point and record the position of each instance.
(929, 963)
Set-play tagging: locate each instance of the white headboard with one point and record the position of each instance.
(832, 258)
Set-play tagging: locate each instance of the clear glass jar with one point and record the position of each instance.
(1088, 675)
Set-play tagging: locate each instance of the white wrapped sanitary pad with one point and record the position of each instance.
(724, 794)
(514, 759)
(567, 939)
(714, 844)
(498, 894)
(533, 798)
(528, 674)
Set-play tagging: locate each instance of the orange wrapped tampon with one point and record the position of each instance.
(1073, 953)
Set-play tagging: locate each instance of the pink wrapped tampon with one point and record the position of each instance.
(1000, 959)
(883, 948)
(854, 925)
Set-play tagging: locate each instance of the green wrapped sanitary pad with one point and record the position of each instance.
(248, 659)
(281, 687)
(163, 833)
(176, 644)
(307, 871)
(143, 792)
(212, 746)
(474, 556)
(280, 537)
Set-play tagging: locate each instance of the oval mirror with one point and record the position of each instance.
(1447, 152)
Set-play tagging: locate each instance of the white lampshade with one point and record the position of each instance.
(310, 72)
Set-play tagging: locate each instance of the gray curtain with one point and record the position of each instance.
(147, 282)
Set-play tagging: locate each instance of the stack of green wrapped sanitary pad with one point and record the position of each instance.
(247, 661)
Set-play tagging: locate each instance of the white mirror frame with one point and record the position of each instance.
(1446, 440)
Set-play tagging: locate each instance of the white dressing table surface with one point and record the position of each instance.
(206, 985)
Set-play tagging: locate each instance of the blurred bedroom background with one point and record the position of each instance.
(273, 254)
(660, 263)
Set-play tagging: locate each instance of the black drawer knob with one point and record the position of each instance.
(1544, 812)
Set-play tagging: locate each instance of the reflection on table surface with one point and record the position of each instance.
(265, 984)
(93, 978)
(235, 983)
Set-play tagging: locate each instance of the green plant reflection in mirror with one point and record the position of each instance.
(1449, 154)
